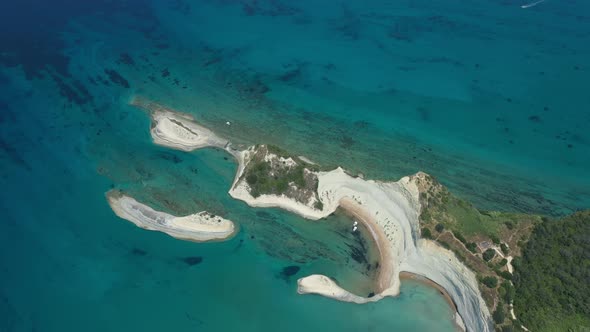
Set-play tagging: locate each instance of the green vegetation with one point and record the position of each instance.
(261, 182)
(552, 279)
(490, 282)
(278, 151)
(444, 244)
(426, 233)
(469, 220)
(266, 179)
(461, 217)
(495, 239)
(498, 314)
(285, 154)
(472, 246)
(504, 248)
(506, 275)
(439, 227)
(459, 236)
(507, 291)
(551, 290)
(318, 205)
(489, 254)
(507, 328)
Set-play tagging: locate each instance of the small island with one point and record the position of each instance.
(198, 227)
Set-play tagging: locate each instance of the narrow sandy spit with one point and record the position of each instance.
(198, 227)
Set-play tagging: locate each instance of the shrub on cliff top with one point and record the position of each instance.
(490, 282)
(489, 254)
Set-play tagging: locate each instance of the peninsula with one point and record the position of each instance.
(420, 229)
(267, 176)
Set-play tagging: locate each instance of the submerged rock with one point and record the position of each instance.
(138, 252)
(291, 270)
(192, 260)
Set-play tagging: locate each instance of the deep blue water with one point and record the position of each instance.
(490, 98)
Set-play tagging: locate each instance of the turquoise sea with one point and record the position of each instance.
(490, 98)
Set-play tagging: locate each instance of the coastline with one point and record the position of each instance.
(426, 281)
(390, 210)
(443, 292)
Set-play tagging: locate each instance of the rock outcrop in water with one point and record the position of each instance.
(199, 227)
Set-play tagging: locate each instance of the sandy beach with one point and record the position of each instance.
(385, 272)
(198, 227)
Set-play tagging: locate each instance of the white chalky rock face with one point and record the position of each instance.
(198, 227)
(390, 210)
(181, 132)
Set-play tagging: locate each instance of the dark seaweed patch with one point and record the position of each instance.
(5, 112)
(30, 36)
(13, 154)
(288, 271)
(424, 113)
(535, 118)
(212, 61)
(180, 6)
(346, 141)
(138, 252)
(116, 78)
(165, 72)
(361, 124)
(358, 250)
(265, 216)
(126, 59)
(358, 255)
(74, 93)
(102, 80)
(169, 157)
(192, 260)
(290, 75)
